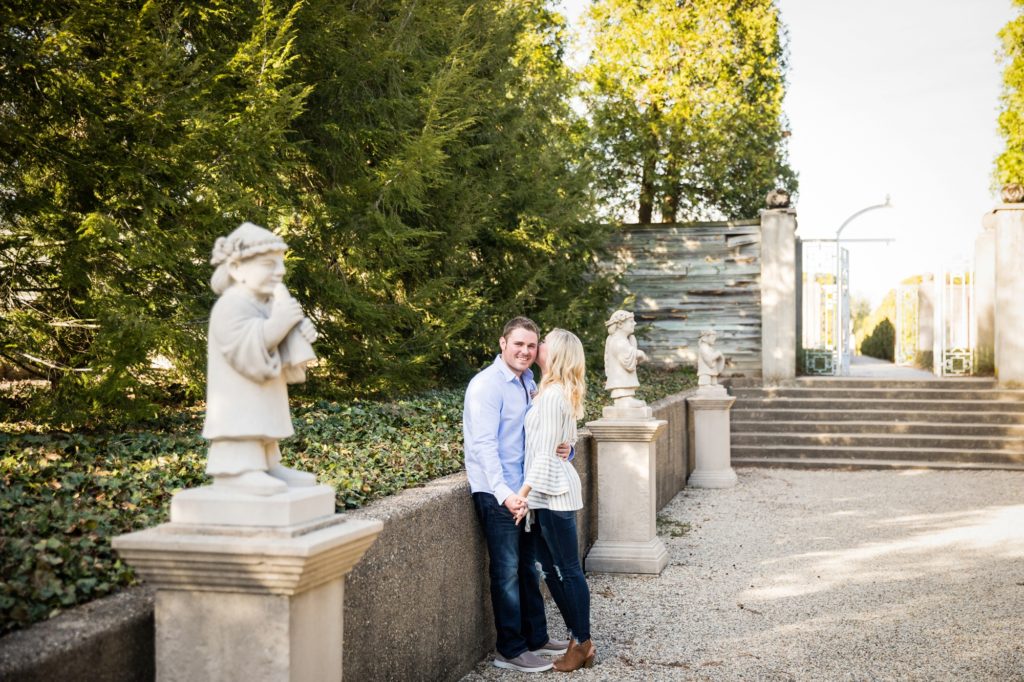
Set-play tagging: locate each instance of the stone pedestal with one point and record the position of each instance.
(257, 603)
(711, 439)
(984, 294)
(627, 540)
(778, 295)
(1009, 294)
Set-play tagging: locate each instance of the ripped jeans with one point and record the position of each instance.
(557, 548)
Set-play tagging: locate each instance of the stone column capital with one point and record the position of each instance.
(267, 561)
(623, 430)
(1008, 207)
(700, 402)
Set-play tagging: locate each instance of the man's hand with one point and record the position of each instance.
(514, 503)
(563, 451)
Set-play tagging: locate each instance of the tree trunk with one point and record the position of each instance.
(646, 207)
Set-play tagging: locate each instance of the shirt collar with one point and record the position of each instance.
(507, 372)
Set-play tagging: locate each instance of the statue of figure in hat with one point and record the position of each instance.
(259, 342)
(621, 356)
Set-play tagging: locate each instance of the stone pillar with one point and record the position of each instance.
(627, 536)
(985, 294)
(712, 439)
(778, 295)
(1009, 299)
(254, 592)
(926, 320)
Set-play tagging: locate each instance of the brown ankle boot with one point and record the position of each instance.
(576, 656)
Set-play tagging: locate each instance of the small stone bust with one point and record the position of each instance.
(710, 362)
(1012, 193)
(621, 357)
(259, 340)
(777, 198)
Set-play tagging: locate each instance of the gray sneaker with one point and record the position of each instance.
(525, 662)
(554, 647)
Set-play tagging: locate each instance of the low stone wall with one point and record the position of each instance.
(416, 605)
(107, 640)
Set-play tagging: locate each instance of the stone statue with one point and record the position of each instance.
(777, 198)
(710, 362)
(621, 356)
(259, 341)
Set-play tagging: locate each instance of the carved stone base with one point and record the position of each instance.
(712, 441)
(723, 478)
(249, 603)
(226, 507)
(627, 557)
(627, 491)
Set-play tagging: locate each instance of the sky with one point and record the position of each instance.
(896, 97)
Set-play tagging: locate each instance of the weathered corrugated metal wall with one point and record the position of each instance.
(690, 277)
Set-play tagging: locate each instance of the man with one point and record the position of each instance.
(497, 400)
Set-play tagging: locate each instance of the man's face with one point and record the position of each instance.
(519, 349)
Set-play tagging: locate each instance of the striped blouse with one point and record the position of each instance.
(554, 483)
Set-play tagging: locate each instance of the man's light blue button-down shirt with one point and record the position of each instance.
(494, 437)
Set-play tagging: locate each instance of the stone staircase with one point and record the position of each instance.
(868, 423)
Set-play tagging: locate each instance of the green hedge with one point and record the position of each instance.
(65, 495)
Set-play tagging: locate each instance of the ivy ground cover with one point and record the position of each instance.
(64, 495)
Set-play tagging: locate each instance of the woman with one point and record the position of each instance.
(552, 488)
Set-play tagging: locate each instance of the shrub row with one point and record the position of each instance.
(65, 495)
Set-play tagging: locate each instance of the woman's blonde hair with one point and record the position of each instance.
(566, 366)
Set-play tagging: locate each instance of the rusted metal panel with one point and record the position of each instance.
(689, 277)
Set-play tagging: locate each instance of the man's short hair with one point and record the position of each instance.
(520, 323)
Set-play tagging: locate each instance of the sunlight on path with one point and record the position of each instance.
(824, 575)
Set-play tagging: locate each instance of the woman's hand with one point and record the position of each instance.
(521, 514)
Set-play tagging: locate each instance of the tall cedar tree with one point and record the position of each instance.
(133, 133)
(1010, 163)
(420, 158)
(447, 192)
(686, 100)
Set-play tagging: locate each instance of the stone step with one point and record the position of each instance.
(752, 412)
(923, 428)
(965, 384)
(857, 404)
(880, 441)
(864, 463)
(822, 393)
(890, 453)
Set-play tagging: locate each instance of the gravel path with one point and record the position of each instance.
(823, 575)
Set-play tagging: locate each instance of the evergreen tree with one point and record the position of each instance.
(686, 100)
(421, 159)
(133, 133)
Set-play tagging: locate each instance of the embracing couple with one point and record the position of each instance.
(518, 447)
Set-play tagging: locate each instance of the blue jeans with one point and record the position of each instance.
(515, 584)
(559, 557)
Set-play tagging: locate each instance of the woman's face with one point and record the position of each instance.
(260, 274)
(542, 356)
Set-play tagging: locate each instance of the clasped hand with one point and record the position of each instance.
(518, 506)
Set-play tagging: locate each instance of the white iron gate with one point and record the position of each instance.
(955, 323)
(824, 350)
